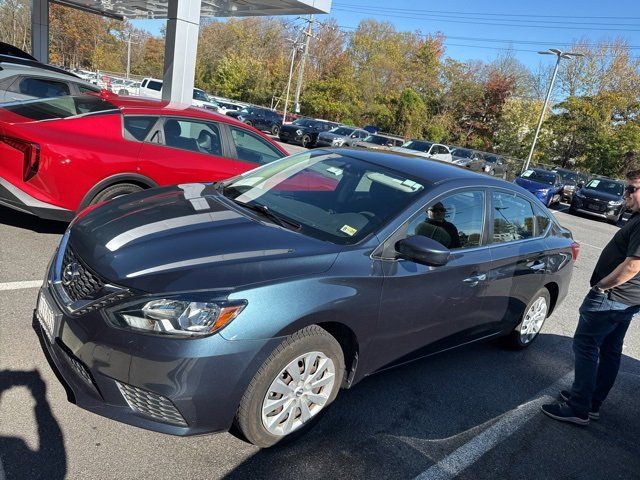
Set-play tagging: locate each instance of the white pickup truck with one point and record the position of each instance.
(152, 88)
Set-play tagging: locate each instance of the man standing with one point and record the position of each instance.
(605, 315)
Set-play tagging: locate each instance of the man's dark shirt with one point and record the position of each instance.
(625, 243)
(448, 227)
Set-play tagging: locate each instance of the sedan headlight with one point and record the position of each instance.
(543, 191)
(298, 132)
(338, 141)
(176, 316)
(615, 202)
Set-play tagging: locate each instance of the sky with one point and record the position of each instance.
(484, 29)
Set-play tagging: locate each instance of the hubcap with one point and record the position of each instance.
(298, 393)
(533, 320)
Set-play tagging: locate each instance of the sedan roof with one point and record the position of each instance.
(433, 171)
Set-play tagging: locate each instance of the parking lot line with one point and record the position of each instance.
(465, 456)
(20, 285)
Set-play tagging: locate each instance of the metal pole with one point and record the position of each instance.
(286, 98)
(544, 107)
(128, 55)
(301, 68)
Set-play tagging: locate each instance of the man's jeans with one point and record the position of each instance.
(597, 345)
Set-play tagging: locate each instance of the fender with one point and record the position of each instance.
(112, 180)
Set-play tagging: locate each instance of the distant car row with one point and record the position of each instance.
(601, 197)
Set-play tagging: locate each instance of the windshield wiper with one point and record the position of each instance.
(264, 210)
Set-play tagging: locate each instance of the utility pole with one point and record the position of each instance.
(294, 49)
(129, 55)
(560, 55)
(305, 52)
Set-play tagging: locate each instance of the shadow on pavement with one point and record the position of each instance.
(17, 460)
(17, 219)
(398, 423)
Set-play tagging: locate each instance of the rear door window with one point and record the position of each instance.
(513, 218)
(138, 127)
(195, 136)
(61, 107)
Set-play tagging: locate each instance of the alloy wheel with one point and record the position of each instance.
(533, 320)
(299, 392)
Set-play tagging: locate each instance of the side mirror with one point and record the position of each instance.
(424, 250)
(580, 184)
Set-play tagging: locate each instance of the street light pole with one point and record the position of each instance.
(560, 55)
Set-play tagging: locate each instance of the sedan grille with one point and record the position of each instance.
(151, 404)
(80, 283)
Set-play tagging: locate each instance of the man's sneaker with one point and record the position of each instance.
(594, 413)
(564, 413)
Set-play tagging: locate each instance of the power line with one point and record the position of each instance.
(387, 14)
(413, 10)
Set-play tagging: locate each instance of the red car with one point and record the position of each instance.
(59, 155)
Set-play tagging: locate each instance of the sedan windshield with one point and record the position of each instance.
(304, 122)
(539, 176)
(607, 186)
(328, 196)
(200, 95)
(417, 145)
(462, 153)
(377, 140)
(344, 131)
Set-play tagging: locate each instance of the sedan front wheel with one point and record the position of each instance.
(294, 385)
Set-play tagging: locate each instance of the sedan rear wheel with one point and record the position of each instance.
(292, 388)
(275, 130)
(534, 316)
(306, 140)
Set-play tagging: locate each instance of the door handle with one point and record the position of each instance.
(475, 279)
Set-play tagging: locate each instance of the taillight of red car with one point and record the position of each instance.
(575, 250)
(31, 152)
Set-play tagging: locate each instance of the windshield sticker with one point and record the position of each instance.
(527, 173)
(594, 183)
(348, 230)
(335, 170)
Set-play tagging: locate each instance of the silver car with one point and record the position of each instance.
(422, 148)
(341, 137)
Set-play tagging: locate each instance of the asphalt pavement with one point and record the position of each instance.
(471, 413)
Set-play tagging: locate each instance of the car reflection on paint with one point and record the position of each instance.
(251, 302)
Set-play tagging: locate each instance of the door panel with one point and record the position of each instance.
(189, 153)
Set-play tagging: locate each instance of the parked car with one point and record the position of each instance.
(571, 180)
(602, 197)
(260, 118)
(60, 155)
(379, 141)
(24, 78)
(465, 157)
(341, 137)
(305, 131)
(546, 185)
(172, 309)
(152, 88)
(422, 148)
(495, 165)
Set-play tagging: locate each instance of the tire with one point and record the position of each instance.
(248, 122)
(492, 172)
(115, 191)
(310, 342)
(519, 338)
(275, 130)
(305, 141)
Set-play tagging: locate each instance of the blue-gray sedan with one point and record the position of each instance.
(251, 302)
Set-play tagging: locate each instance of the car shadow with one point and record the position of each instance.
(25, 221)
(400, 422)
(17, 459)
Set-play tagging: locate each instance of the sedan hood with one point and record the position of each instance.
(331, 136)
(531, 185)
(190, 237)
(597, 195)
(292, 128)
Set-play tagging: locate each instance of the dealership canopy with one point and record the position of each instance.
(183, 24)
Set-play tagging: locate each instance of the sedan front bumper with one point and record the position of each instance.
(169, 385)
